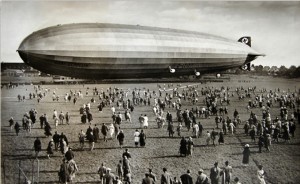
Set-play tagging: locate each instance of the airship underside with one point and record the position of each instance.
(109, 51)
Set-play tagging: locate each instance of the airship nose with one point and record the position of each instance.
(23, 56)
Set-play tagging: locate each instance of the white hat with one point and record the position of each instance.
(247, 146)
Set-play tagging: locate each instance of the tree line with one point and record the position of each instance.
(282, 71)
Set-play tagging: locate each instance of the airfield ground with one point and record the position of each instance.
(281, 164)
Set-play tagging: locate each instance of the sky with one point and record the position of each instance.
(274, 26)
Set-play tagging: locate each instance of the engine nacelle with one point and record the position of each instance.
(172, 70)
(245, 67)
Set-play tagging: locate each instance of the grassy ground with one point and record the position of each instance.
(281, 164)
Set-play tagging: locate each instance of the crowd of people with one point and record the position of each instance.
(263, 129)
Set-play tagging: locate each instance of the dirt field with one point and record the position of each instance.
(281, 164)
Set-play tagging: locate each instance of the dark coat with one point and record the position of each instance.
(246, 155)
(215, 175)
(148, 180)
(37, 145)
(142, 139)
(186, 179)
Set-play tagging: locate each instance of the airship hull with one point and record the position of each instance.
(111, 51)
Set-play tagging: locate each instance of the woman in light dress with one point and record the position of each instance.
(136, 137)
(111, 130)
(261, 175)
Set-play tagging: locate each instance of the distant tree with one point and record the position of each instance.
(289, 72)
(282, 70)
(292, 68)
(266, 68)
(274, 68)
(296, 72)
(259, 68)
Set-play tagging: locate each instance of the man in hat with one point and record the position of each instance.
(186, 178)
(246, 154)
(202, 178)
(215, 174)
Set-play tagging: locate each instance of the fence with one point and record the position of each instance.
(20, 171)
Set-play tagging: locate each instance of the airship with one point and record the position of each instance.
(118, 51)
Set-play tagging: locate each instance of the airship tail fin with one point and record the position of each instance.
(246, 40)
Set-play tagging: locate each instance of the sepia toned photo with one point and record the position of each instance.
(147, 92)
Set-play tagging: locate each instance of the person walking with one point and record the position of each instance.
(11, 123)
(50, 148)
(246, 155)
(104, 131)
(47, 129)
(126, 166)
(17, 128)
(166, 177)
(56, 138)
(119, 170)
(142, 139)
(81, 137)
(136, 137)
(121, 137)
(215, 174)
(147, 179)
(190, 146)
(37, 146)
(227, 173)
(171, 129)
(221, 137)
(260, 143)
(208, 137)
(102, 172)
(183, 147)
(91, 139)
(67, 116)
(145, 123)
(213, 136)
(127, 154)
(72, 169)
(202, 178)
(186, 178)
(109, 177)
(96, 133)
(261, 175)
(152, 175)
(61, 118)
